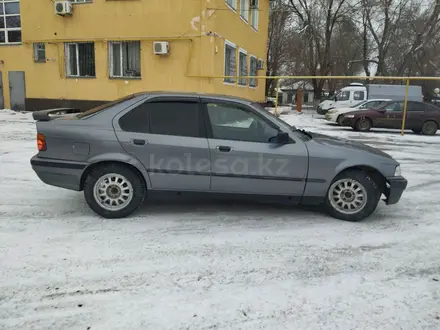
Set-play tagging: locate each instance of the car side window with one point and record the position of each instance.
(231, 122)
(343, 96)
(368, 105)
(136, 120)
(398, 106)
(177, 118)
(358, 95)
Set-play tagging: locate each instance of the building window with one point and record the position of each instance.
(80, 59)
(253, 71)
(232, 4)
(125, 59)
(230, 62)
(243, 67)
(10, 23)
(255, 7)
(40, 52)
(80, 1)
(244, 9)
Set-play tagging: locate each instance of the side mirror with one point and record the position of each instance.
(282, 138)
(382, 110)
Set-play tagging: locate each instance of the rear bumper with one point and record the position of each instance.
(321, 111)
(331, 117)
(395, 190)
(58, 173)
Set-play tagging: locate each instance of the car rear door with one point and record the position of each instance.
(167, 134)
(242, 158)
(415, 115)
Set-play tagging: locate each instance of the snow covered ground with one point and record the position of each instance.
(215, 265)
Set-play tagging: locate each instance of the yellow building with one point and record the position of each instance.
(80, 53)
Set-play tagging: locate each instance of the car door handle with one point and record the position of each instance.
(139, 142)
(224, 148)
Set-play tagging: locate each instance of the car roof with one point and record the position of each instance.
(193, 94)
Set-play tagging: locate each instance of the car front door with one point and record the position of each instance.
(167, 134)
(243, 160)
(392, 117)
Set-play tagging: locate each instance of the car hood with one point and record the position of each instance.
(343, 143)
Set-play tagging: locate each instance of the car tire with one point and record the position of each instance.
(363, 124)
(429, 127)
(352, 196)
(114, 184)
(339, 120)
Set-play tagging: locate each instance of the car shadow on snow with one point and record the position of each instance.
(188, 208)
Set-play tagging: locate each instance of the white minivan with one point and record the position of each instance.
(357, 92)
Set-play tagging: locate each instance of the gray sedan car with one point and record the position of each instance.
(120, 152)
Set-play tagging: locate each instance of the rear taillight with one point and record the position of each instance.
(41, 142)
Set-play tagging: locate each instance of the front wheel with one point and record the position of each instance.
(114, 190)
(339, 120)
(363, 125)
(352, 196)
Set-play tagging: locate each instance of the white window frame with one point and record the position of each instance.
(81, 1)
(231, 4)
(250, 71)
(232, 45)
(244, 10)
(67, 60)
(240, 83)
(5, 30)
(255, 16)
(110, 60)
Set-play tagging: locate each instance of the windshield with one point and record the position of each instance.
(104, 106)
(358, 104)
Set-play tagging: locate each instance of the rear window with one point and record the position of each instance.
(432, 107)
(104, 106)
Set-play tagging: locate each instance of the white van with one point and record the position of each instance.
(357, 92)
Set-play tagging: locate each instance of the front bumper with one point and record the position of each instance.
(59, 173)
(397, 184)
(347, 121)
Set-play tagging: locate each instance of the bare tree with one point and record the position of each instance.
(318, 19)
(278, 41)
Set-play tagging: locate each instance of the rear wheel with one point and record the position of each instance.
(429, 127)
(352, 196)
(364, 124)
(114, 190)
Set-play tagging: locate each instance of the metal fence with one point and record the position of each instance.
(372, 79)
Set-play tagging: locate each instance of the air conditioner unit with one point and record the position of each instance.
(63, 8)
(161, 47)
(260, 64)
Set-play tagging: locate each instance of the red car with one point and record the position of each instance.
(420, 117)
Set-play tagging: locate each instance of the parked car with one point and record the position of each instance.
(356, 92)
(123, 151)
(336, 115)
(421, 117)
